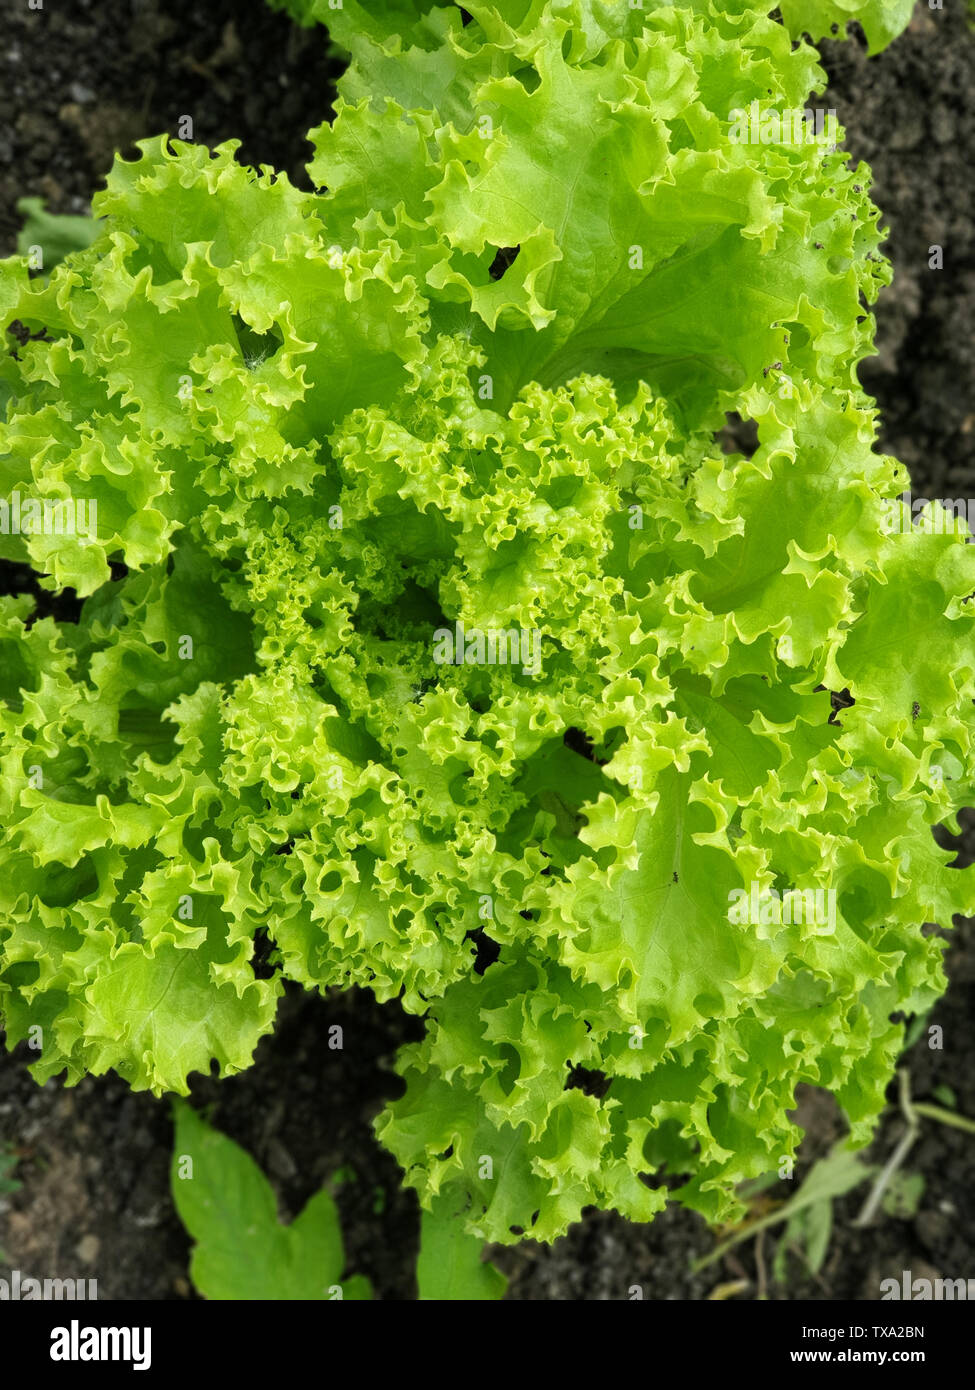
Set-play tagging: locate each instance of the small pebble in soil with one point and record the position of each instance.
(87, 1249)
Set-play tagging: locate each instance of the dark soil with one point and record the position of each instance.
(910, 114)
(80, 79)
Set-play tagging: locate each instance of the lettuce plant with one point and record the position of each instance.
(474, 386)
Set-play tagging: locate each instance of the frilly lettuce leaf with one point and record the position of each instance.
(882, 20)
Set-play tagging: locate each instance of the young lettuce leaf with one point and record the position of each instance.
(451, 1267)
